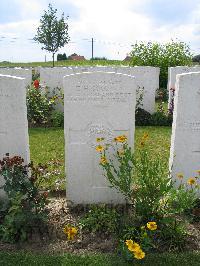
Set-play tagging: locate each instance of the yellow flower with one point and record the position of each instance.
(145, 136)
(121, 138)
(139, 254)
(180, 175)
(152, 226)
(132, 246)
(129, 242)
(71, 232)
(191, 181)
(103, 160)
(143, 139)
(99, 139)
(99, 148)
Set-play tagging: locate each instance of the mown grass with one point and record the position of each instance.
(47, 144)
(65, 63)
(28, 259)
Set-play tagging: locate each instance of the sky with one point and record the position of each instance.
(115, 25)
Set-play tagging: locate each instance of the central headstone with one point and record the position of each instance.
(185, 141)
(13, 118)
(97, 104)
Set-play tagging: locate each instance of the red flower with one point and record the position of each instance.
(36, 84)
(45, 194)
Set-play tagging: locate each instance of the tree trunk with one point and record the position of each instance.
(53, 59)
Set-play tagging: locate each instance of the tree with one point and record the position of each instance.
(52, 32)
(162, 56)
(61, 57)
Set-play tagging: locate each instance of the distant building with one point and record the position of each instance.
(76, 57)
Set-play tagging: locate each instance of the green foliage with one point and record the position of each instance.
(172, 234)
(142, 117)
(145, 182)
(61, 57)
(57, 119)
(161, 119)
(166, 55)
(100, 219)
(39, 106)
(25, 204)
(196, 58)
(52, 32)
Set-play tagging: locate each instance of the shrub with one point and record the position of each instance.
(25, 204)
(161, 119)
(57, 119)
(162, 56)
(39, 105)
(142, 117)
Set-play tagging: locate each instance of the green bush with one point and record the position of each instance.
(142, 117)
(57, 119)
(162, 56)
(160, 119)
(39, 106)
(24, 206)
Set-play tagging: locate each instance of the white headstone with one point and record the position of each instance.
(97, 104)
(19, 72)
(147, 79)
(13, 118)
(53, 77)
(185, 140)
(172, 72)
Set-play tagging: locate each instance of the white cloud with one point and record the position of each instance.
(115, 25)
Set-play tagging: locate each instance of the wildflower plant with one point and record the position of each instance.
(137, 242)
(119, 173)
(147, 186)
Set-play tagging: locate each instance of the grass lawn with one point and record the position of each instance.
(48, 143)
(65, 63)
(23, 259)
